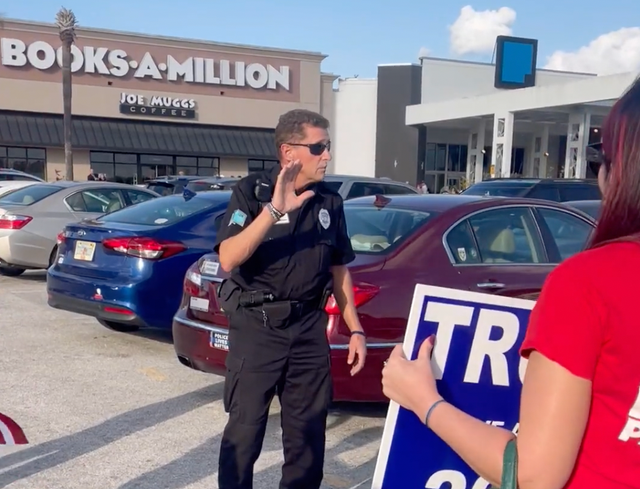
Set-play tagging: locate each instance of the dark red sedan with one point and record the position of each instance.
(493, 245)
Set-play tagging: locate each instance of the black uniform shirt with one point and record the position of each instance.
(293, 261)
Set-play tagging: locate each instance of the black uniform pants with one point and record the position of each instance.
(291, 359)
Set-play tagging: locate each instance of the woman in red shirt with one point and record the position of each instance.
(580, 405)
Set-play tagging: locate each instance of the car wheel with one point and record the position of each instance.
(11, 271)
(120, 327)
(52, 257)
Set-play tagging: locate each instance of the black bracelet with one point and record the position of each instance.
(358, 332)
(426, 418)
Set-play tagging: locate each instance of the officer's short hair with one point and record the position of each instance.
(291, 126)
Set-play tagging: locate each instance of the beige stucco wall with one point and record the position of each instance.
(55, 161)
(29, 89)
(26, 88)
(233, 167)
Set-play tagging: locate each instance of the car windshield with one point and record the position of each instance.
(29, 195)
(499, 189)
(373, 230)
(162, 211)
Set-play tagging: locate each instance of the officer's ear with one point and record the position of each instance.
(286, 153)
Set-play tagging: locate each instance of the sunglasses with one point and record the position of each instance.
(316, 149)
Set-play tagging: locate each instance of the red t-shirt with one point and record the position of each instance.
(587, 319)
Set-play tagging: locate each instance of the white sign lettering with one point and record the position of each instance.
(454, 479)
(450, 316)
(155, 101)
(42, 56)
(631, 430)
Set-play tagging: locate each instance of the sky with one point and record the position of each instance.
(357, 35)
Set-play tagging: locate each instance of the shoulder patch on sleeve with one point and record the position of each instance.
(238, 218)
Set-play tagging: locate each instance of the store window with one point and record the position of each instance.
(115, 167)
(134, 168)
(261, 165)
(445, 166)
(29, 160)
(203, 167)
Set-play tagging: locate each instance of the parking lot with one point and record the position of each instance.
(110, 410)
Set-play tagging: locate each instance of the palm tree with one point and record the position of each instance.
(66, 22)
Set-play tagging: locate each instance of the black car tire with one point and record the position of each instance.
(52, 257)
(120, 327)
(11, 271)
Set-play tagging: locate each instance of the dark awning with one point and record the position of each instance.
(46, 130)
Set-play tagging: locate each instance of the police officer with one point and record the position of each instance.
(285, 242)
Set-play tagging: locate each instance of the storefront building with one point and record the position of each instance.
(148, 106)
(452, 123)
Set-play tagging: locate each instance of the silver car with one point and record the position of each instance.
(32, 217)
(351, 187)
(10, 186)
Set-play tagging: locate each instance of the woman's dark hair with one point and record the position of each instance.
(620, 214)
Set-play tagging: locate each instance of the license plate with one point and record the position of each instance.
(199, 304)
(219, 341)
(84, 251)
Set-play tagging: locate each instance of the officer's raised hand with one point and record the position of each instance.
(284, 197)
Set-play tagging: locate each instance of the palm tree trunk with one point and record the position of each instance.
(66, 105)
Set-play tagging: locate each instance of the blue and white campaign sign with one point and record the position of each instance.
(478, 369)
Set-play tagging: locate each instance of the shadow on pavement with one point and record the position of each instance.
(202, 462)
(160, 335)
(361, 409)
(195, 465)
(61, 450)
(30, 276)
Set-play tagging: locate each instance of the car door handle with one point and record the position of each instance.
(491, 285)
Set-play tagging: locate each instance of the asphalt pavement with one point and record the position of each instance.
(106, 410)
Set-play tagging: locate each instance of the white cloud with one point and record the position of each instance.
(476, 31)
(614, 52)
(424, 52)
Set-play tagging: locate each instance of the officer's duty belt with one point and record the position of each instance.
(259, 298)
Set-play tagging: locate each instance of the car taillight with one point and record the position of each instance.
(60, 238)
(14, 221)
(362, 293)
(192, 283)
(148, 248)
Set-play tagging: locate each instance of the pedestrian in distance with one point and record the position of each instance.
(284, 241)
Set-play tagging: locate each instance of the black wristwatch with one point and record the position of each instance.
(358, 332)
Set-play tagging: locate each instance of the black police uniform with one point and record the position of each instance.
(277, 331)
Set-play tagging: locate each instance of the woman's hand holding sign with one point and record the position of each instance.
(411, 383)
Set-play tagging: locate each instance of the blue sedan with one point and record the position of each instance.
(127, 268)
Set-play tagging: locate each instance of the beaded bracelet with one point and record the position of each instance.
(275, 213)
(426, 419)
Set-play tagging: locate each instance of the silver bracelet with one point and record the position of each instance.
(275, 213)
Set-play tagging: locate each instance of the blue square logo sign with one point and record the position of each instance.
(478, 368)
(516, 60)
